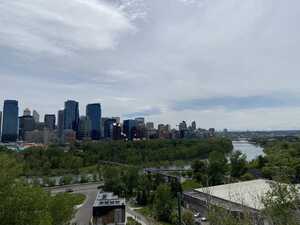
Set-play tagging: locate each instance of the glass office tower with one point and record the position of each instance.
(71, 115)
(93, 112)
(50, 120)
(10, 121)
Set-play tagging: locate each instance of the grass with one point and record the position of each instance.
(190, 184)
(77, 199)
(145, 211)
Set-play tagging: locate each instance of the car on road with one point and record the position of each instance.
(197, 215)
(69, 190)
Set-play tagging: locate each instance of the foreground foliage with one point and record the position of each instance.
(22, 204)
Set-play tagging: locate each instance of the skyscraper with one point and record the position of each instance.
(108, 128)
(60, 123)
(93, 112)
(0, 125)
(194, 127)
(49, 121)
(84, 128)
(36, 116)
(10, 121)
(129, 128)
(71, 115)
(27, 112)
(26, 124)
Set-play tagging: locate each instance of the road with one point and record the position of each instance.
(84, 213)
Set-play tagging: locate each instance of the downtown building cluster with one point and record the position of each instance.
(68, 126)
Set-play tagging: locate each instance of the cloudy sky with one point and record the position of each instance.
(224, 63)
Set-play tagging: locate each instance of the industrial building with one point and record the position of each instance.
(237, 198)
(109, 209)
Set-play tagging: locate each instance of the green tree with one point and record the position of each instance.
(238, 164)
(282, 204)
(163, 203)
(217, 168)
(188, 218)
(200, 170)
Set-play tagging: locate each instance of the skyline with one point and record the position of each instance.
(222, 69)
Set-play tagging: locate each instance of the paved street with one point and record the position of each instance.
(84, 213)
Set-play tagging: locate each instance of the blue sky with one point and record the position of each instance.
(226, 64)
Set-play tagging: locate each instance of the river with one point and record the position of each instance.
(250, 150)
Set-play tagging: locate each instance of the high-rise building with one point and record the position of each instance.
(164, 131)
(71, 115)
(26, 124)
(10, 121)
(140, 127)
(117, 131)
(0, 125)
(84, 128)
(49, 121)
(150, 125)
(129, 129)
(108, 128)
(27, 112)
(36, 116)
(93, 112)
(193, 125)
(117, 118)
(182, 129)
(60, 124)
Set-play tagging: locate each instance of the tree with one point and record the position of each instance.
(143, 189)
(282, 204)
(130, 179)
(188, 218)
(238, 164)
(163, 204)
(200, 168)
(217, 167)
(23, 204)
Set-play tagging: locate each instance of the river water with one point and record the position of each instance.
(250, 150)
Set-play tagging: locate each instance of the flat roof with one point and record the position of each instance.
(108, 199)
(248, 193)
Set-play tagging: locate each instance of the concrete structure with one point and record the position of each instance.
(109, 209)
(237, 198)
(45, 136)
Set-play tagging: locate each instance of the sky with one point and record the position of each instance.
(225, 64)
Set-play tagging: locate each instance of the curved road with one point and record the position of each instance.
(84, 213)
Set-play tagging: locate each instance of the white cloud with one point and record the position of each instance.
(58, 27)
(152, 53)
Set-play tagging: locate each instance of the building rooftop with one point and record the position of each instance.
(248, 193)
(108, 199)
